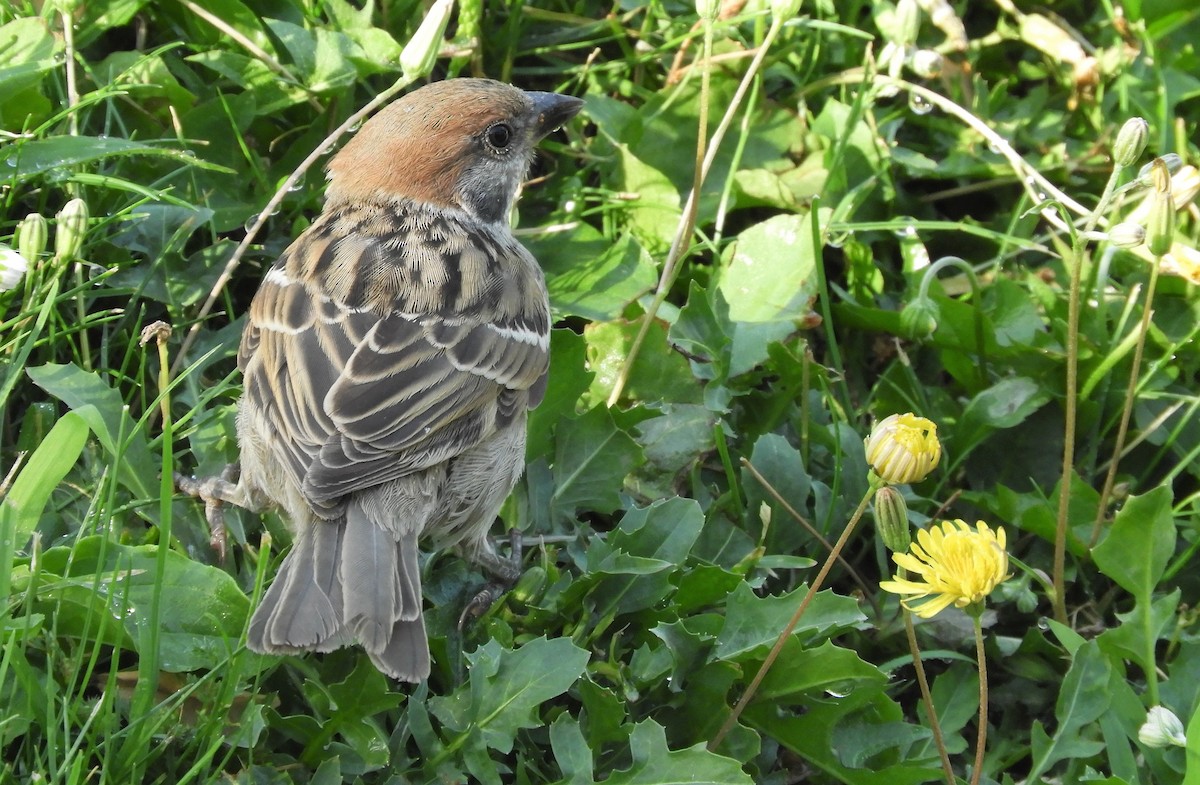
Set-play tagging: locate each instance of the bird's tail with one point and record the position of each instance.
(345, 581)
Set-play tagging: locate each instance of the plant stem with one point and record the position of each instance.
(926, 696)
(1071, 396)
(1110, 478)
(981, 736)
(791, 625)
(687, 223)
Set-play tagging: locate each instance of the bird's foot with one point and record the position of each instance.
(504, 571)
(215, 492)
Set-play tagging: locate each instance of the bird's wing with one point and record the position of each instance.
(358, 394)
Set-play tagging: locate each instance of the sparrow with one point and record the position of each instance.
(389, 359)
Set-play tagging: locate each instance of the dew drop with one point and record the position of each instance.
(919, 105)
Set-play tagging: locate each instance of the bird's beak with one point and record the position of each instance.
(553, 110)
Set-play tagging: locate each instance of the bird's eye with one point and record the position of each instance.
(499, 136)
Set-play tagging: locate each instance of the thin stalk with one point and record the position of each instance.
(1110, 478)
(981, 735)
(682, 239)
(935, 725)
(791, 625)
(1071, 394)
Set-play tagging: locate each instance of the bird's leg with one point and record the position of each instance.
(215, 492)
(504, 572)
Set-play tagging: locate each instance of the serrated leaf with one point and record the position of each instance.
(752, 621)
(656, 764)
(507, 689)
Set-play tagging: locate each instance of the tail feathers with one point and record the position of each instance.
(299, 610)
(406, 656)
(345, 581)
(372, 593)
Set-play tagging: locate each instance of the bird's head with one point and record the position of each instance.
(463, 143)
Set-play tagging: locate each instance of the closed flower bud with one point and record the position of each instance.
(908, 22)
(1127, 235)
(926, 63)
(784, 10)
(13, 267)
(72, 227)
(891, 519)
(1131, 142)
(1173, 162)
(919, 318)
(32, 236)
(1160, 225)
(709, 9)
(421, 51)
(903, 448)
(1162, 729)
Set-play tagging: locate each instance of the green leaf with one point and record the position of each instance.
(22, 506)
(101, 406)
(571, 751)
(61, 152)
(507, 690)
(642, 553)
(1005, 404)
(592, 458)
(1139, 544)
(803, 672)
(781, 465)
(752, 621)
(568, 380)
(654, 212)
(769, 273)
(1192, 773)
(1082, 698)
(1137, 637)
(590, 275)
(656, 764)
(203, 610)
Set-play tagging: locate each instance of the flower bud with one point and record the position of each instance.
(1173, 162)
(926, 63)
(784, 10)
(908, 22)
(903, 448)
(1160, 225)
(891, 519)
(1131, 142)
(13, 267)
(32, 236)
(1162, 729)
(1127, 235)
(421, 51)
(72, 227)
(919, 318)
(709, 9)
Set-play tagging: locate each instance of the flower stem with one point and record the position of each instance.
(981, 736)
(926, 696)
(791, 625)
(1071, 395)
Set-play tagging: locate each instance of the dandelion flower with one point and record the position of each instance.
(951, 564)
(903, 448)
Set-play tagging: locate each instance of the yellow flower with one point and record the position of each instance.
(903, 448)
(957, 565)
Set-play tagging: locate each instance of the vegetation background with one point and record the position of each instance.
(716, 365)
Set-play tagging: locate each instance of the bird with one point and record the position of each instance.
(389, 359)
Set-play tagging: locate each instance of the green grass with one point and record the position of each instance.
(717, 364)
